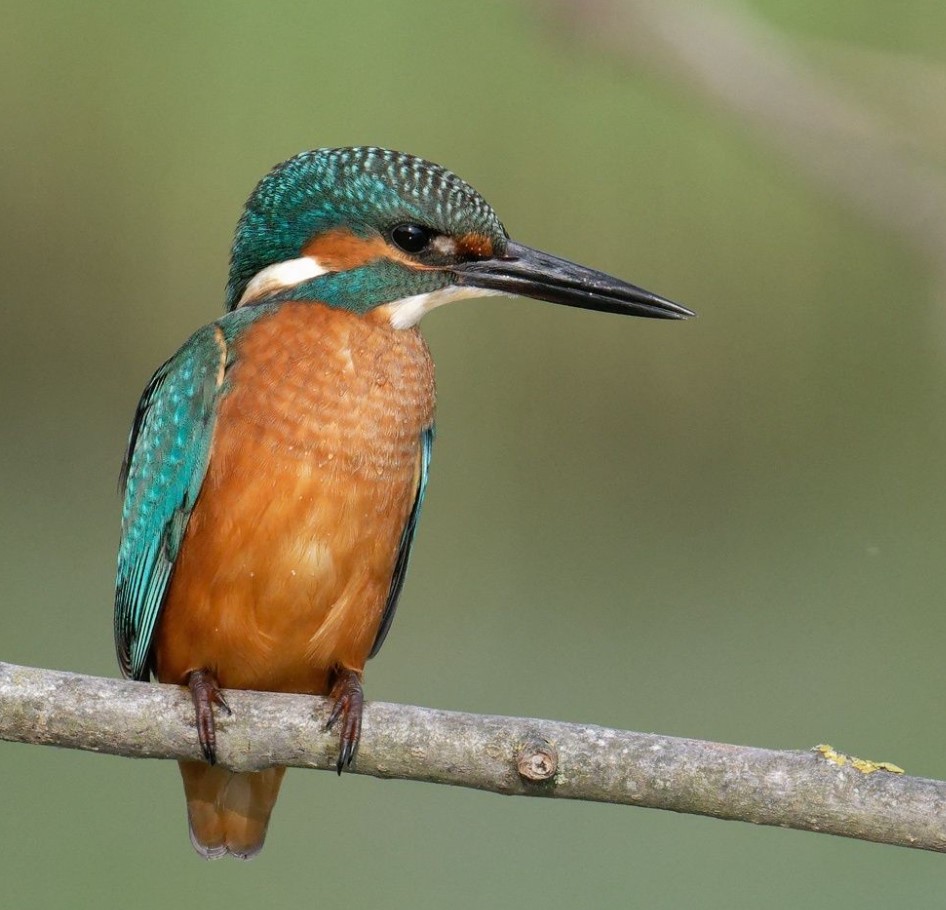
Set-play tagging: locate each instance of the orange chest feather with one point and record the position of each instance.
(288, 555)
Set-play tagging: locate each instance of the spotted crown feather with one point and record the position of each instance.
(366, 189)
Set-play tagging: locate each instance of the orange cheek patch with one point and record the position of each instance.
(475, 245)
(338, 251)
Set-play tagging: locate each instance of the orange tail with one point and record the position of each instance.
(228, 812)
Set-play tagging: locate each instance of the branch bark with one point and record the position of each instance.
(509, 755)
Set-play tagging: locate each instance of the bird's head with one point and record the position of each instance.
(368, 228)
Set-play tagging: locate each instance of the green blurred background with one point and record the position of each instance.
(729, 528)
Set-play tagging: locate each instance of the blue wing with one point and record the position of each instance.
(164, 468)
(407, 539)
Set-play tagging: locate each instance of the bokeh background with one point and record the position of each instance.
(730, 528)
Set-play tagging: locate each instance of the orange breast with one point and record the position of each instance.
(287, 559)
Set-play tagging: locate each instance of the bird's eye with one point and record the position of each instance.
(412, 238)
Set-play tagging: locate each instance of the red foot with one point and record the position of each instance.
(206, 693)
(349, 700)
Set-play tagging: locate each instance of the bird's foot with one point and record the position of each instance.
(205, 692)
(349, 699)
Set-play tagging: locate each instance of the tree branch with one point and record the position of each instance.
(729, 57)
(516, 756)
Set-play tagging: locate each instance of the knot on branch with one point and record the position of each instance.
(537, 759)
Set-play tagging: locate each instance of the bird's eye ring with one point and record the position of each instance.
(412, 238)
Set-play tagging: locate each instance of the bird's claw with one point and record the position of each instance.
(348, 698)
(205, 693)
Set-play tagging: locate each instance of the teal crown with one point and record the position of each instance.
(365, 190)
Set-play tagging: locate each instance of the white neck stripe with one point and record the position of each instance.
(403, 313)
(282, 275)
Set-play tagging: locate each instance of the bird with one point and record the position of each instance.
(277, 463)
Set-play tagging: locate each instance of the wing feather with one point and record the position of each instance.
(163, 470)
(407, 540)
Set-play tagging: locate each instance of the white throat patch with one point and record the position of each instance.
(282, 275)
(403, 313)
(409, 311)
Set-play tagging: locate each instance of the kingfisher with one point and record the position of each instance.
(277, 463)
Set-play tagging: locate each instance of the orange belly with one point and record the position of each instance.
(286, 563)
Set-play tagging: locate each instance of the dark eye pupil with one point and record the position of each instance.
(412, 238)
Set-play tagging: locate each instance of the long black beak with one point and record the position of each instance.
(532, 273)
